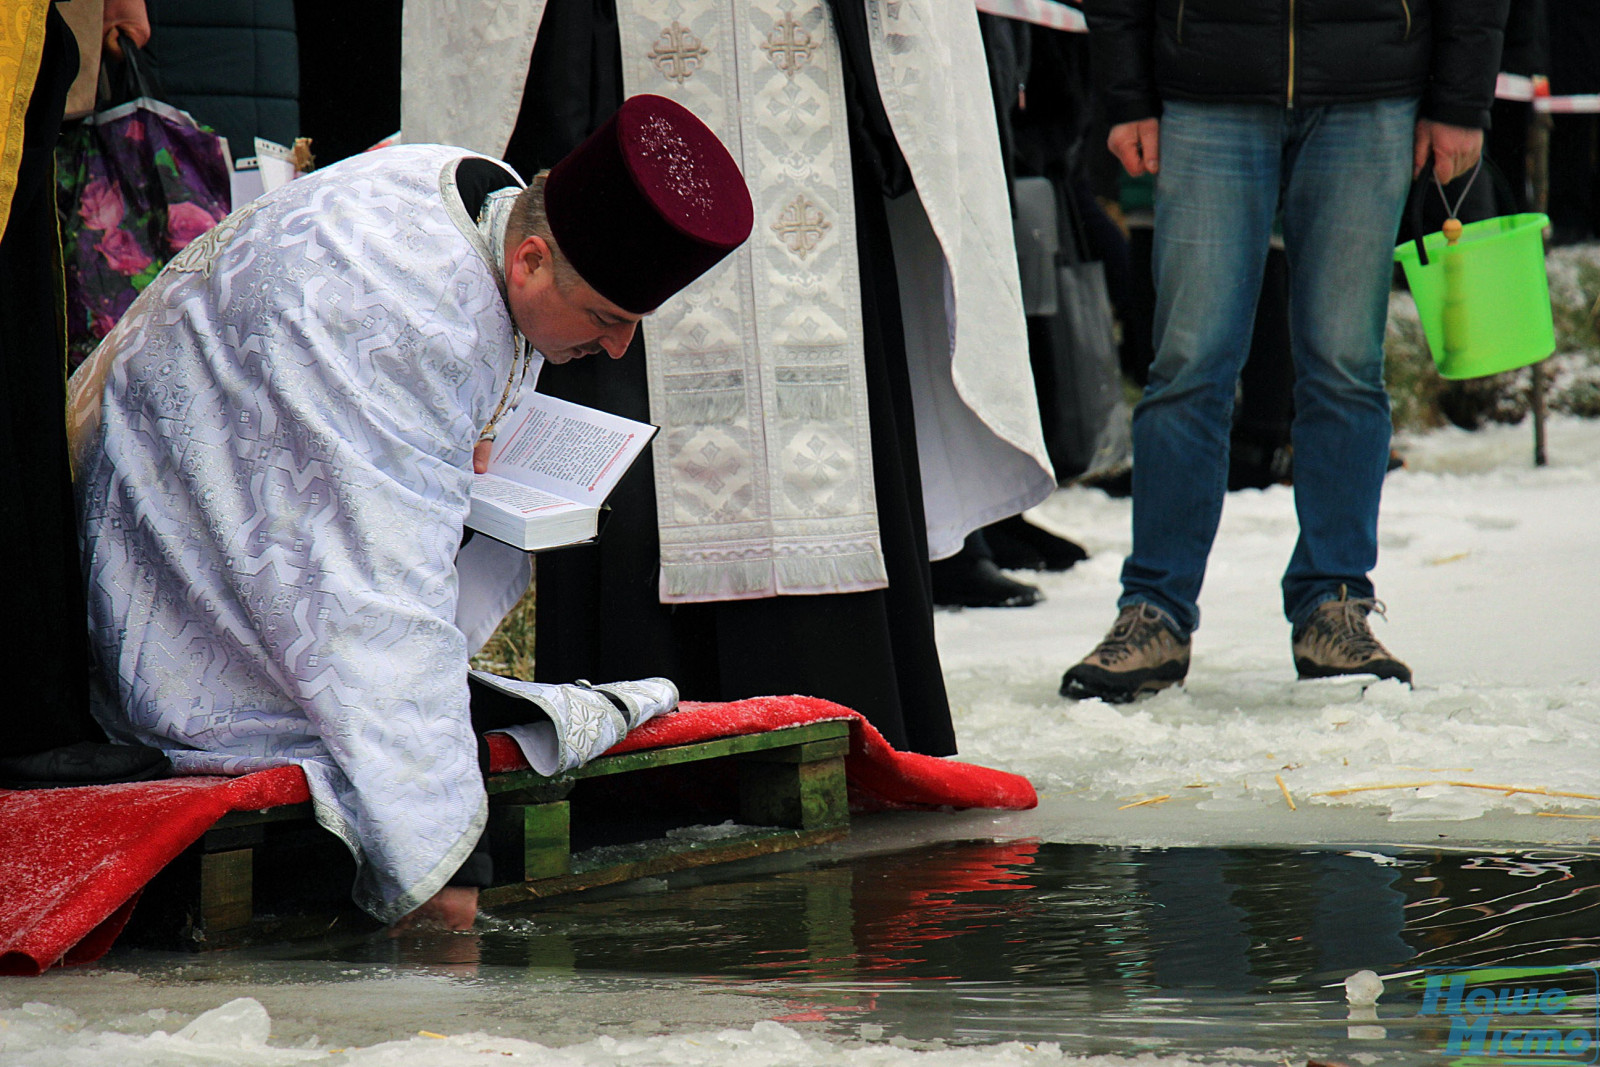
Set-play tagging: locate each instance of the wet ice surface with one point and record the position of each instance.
(867, 953)
(381, 1010)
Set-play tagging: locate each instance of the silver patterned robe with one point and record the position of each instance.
(272, 492)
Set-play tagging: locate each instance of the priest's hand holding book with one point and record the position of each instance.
(549, 471)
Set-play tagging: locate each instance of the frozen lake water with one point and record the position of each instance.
(1071, 931)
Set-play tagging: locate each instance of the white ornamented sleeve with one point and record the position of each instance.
(272, 492)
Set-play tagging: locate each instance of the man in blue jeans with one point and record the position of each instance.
(1323, 110)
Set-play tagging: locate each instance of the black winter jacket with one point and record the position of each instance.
(232, 64)
(1304, 53)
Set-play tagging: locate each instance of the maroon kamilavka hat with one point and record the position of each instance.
(648, 203)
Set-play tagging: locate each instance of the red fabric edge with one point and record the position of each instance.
(95, 898)
(99, 940)
(880, 777)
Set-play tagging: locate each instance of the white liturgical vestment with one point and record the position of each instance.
(275, 455)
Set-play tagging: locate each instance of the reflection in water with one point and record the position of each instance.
(1100, 949)
(1244, 920)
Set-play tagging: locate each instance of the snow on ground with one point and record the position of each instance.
(1488, 566)
(236, 1034)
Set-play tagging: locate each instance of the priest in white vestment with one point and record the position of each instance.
(275, 450)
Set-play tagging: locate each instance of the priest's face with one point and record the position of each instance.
(557, 311)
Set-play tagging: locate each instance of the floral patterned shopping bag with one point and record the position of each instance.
(135, 184)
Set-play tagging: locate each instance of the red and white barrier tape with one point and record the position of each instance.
(1051, 13)
(1587, 104)
(1521, 88)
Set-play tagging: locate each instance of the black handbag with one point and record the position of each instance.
(1087, 423)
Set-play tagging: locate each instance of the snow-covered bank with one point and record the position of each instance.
(1488, 567)
(236, 1034)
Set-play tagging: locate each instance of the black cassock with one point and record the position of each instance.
(599, 613)
(46, 654)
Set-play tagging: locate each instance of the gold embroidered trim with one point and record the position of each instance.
(801, 226)
(21, 49)
(677, 53)
(788, 45)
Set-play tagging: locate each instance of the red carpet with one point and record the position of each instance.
(75, 859)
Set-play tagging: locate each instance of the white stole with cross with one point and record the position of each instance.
(764, 463)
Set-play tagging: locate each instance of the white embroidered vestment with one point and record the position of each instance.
(272, 493)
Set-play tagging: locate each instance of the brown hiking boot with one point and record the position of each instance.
(1140, 655)
(1337, 640)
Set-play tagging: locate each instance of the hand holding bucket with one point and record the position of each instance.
(1483, 297)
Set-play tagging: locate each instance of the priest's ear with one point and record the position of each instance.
(524, 260)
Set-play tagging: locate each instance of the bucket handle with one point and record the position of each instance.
(1427, 177)
(1454, 211)
(1414, 209)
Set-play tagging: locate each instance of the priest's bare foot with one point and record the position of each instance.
(455, 907)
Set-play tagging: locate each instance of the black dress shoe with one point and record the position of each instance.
(83, 763)
(1012, 554)
(1019, 545)
(965, 581)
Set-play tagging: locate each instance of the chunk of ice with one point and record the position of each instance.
(1363, 988)
(241, 1023)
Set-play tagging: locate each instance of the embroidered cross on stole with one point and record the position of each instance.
(764, 462)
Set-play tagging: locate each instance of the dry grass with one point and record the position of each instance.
(509, 653)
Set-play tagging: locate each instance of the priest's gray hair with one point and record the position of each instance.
(529, 219)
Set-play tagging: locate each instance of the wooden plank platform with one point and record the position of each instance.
(276, 874)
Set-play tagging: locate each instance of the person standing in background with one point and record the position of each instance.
(1325, 109)
(234, 67)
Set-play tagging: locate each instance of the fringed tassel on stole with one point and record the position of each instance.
(852, 572)
(727, 580)
(691, 409)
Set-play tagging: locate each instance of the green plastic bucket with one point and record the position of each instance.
(1485, 301)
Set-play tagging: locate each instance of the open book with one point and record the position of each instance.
(553, 465)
